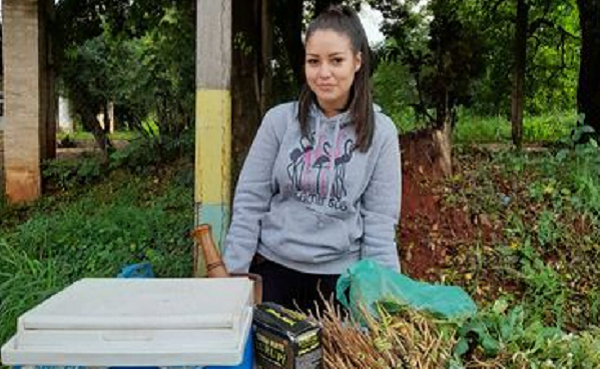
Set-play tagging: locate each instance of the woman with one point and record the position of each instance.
(320, 188)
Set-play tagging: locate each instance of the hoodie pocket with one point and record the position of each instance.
(304, 235)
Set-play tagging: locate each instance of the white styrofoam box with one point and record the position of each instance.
(137, 322)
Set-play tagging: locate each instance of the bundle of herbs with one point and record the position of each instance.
(400, 338)
(496, 337)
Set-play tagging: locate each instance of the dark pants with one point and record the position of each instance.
(293, 289)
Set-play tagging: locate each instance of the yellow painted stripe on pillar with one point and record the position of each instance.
(213, 147)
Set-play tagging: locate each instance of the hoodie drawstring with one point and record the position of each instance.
(316, 141)
(332, 161)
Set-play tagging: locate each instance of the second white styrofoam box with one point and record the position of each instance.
(137, 322)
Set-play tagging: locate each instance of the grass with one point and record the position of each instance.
(474, 129)
(405, 121)
(541, 129)
(149, 125)
(93, 233)
(88, 136)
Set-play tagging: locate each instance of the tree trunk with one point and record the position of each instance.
(588, 92)
(425, 156)
(441, 136)
(50, 96)
(441, 139)
(442, 132)
(105, 119)
(444, 109)
(266, 57)
(289, 21)
(91, 123)
(518, 72)
(101, 138)
(246, 84)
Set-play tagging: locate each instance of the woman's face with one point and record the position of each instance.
(330, 67)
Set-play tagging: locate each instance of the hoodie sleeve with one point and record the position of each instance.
(252, 196)
(381, 201)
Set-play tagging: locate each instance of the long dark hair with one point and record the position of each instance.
(344, 20)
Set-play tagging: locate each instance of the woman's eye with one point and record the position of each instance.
(337, 60)
(312, 61)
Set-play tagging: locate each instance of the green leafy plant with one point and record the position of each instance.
(70, 173)
(492, 330)
(505, 337)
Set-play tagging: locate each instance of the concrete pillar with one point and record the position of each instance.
(27, 91)
(213, 116)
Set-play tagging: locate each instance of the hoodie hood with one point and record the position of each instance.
(345, 116)
(315, 112)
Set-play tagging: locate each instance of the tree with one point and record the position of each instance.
(288, 17)
(518, 72)
(548, 16)
(588, 93)
(77, 32)
(250, 75)
(551, 56)
(170, 61)
(540, 69)
(86, 80)
(443, 62)
(152, 70)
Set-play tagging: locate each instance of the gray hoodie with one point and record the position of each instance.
(316, 205)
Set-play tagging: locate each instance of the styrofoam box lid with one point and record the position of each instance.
(137, 322)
